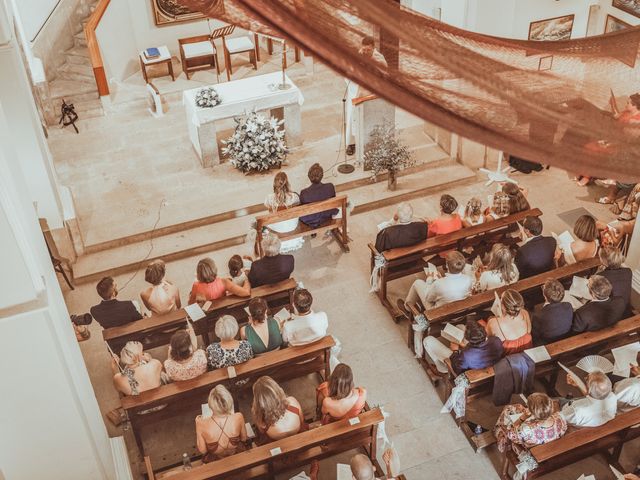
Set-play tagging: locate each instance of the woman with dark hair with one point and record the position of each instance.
(449, 220)
(162, 296)
(517, 198)
(185, 360)
(263, 331)
(339, 398)
(238, 268)
(584, 246)
(209, 286)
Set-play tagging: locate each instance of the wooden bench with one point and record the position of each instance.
(296, 451)
(156, 330)
(185, 397)
(567, 351)
(437, 317)
(579, 443)
(401, 262)
(337, 226)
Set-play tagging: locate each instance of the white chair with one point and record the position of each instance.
(198, 53)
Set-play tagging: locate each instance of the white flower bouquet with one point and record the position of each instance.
(207, 98)
(257, 143)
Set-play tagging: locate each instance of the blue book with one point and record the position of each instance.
(152, 52)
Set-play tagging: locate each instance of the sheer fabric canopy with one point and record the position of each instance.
(548, 102)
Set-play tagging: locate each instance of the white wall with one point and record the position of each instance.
(34, 14)
(425, 7)
(117, 41)
(455, 12)
(607, 8)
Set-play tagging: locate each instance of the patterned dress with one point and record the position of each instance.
(529, 433)
(193, 367)
(222, 358)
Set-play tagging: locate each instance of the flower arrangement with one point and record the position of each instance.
(386, 153)
(207, 98)
(257, 143)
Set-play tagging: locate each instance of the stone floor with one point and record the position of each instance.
(429, 444)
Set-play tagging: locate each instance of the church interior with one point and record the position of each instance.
(374, 239)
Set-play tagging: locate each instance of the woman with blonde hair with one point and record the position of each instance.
(281, 199)
(473, 214)
(512, 325)
(500, 270)
(499, 207)
(138, 372)
(209, 286)
(276, 415)
(224, 432)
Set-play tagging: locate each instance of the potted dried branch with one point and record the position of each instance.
(385, 152)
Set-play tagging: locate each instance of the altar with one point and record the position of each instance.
(239, 97)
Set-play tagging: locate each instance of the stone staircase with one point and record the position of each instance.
(74, 81)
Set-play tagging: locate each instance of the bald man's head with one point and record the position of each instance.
(361, 467)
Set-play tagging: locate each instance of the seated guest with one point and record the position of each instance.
(224, 432)
(209, 286)
(262, 331)
(603, 311)
(620, 277)
(139, 371)
(448, 221)
(284, 197)
(228, 351)
(276, 415)
(404, 232)
(499, 207)
(455, 285)
(338, 397)
(478, 350)
(111, 312)
(274, 267)
(238, 268)
(597, 407)
(500, 270)
(584, 246)
(554, 320)
(537, 424)
(628, 390)
(185, 360)
(473, 214)
(513, 327)
(517, 198)
(316, 192)
(305, 325)
(162, 296)
(536, 254)
(363, 469)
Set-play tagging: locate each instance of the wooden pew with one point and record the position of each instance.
(185, 397)
(156, 330)
(337, 226)
(437, 317)
(567, 351)
(401, 262)
(579, 443)
(296, 452)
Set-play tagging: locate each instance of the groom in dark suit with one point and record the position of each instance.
(316, 192)
(536, 254)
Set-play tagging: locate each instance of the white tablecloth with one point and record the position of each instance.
(242, 96)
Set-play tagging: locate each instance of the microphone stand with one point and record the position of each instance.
(345, 167)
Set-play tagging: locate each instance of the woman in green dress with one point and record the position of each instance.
(262, 332)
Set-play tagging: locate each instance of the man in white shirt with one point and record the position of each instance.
(628, 390)
(305, 326)
(598, 406)
(455, 285)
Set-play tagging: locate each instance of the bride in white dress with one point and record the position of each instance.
(282, 198)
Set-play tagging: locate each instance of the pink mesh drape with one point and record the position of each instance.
(484, 88)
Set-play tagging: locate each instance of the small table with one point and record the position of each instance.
(165, 57)
(240, 97)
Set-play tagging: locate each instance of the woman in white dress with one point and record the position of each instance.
(500, 270)
(282, 198)
(584, 246)
(162, 296)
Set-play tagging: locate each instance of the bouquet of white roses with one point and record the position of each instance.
(257, 143)
(207, 98)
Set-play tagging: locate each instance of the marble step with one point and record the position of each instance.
(76, 71)
(73, 90)
(203, 239)
(80, 40)
(78, 55)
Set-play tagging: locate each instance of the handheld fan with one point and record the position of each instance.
(595, 363)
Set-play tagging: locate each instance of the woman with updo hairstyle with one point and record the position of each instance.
(185, 360)
(238, 268)
(162, 296)
(284, 197)
(537, 424)
(275, 414)
(585, 244)
(136, 370)
(449, 220)
(223, 433)
(339, 398)
(500, 207)
(512, 325)
(473, 214)
(517, 199)
(262, 331)
(209, 286)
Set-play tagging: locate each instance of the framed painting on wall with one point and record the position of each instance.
(614, 24)
(629, 6)
(166, 12)
(550, 29)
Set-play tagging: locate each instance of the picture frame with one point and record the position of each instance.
(630, 6)
(168, 12)
(545, 63)
(552, 29)
(614, 24)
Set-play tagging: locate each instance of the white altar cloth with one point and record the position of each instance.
(239, 97)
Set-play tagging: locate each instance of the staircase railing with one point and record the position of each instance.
(94, 49)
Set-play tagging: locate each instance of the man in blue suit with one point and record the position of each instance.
(536, 254)
(316, 192)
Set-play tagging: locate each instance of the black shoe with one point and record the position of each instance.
(403, 309)
(351, 149)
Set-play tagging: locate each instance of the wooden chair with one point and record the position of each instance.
(337, 226)
(198, 53)
(296, 451)
(401, 262)
(236, 45)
